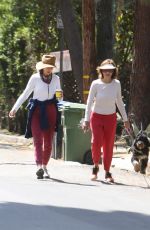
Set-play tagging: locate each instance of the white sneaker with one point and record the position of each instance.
(46, 174)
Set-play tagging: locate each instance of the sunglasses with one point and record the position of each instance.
(107, 70)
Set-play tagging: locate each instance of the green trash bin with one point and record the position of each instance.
(76, 143)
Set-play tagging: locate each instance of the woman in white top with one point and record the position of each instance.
(100, 115)
(43, 112)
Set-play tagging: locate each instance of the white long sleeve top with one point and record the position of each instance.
(103, 98)
(41, 90)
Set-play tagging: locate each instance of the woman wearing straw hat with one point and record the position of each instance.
(100, 115)
(43, 112)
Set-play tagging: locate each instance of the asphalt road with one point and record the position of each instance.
(69, 200)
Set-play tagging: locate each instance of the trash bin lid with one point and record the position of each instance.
(65, 105)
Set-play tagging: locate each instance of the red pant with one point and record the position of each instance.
(43, 138)
(103, 129)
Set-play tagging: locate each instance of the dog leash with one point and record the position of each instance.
(129, 133)
(146, 180)
(132, 138)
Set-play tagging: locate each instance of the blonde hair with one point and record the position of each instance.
(108, 61)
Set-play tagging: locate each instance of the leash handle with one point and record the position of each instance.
(129, 132)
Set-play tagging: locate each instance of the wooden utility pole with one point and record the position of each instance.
(140, 79)
(89, 56)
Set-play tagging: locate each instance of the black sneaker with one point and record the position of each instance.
(40, 173)
(108, 177)
(95, 171)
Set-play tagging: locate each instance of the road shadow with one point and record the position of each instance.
(147, 186)
(66, 182)
(43, 217)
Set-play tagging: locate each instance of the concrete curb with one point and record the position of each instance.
(13, 139)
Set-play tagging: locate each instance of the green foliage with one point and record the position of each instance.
(124, 48)
(124, 37)
(27, 30)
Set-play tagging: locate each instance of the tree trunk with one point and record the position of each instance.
(104, 25)
(140, 78)
(89, 55)
(73, 41)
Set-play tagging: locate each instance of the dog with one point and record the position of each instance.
(140, 152)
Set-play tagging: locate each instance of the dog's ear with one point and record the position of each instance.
(148, 141)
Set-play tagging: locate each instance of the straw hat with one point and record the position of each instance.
(47, 61)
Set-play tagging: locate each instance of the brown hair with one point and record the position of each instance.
(108, 61)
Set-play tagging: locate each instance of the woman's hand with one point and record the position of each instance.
(12, 113)
(127, 125)
(86, 126)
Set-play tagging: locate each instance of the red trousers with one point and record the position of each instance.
(43, 138)
(103, 129)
